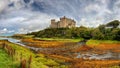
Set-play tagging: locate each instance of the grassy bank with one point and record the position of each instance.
(21, 53)
(61, 39)
(43, 61)
(97, 42)
(5, 60)
(47, 39)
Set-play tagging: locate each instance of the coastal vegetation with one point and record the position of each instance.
(58, 57)
(78, 47)
(109, 31)
(59, 33)
(15, 56)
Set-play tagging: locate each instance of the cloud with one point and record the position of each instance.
(116, 9)
(92, 7)
(97, 8)
(25, 16)
(5, 30)
(24, 22)
(3, 5)
(35, 23)
(85, 22)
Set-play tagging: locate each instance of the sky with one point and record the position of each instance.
(24, 16)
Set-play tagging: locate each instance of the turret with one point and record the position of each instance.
(53, 24)
(52, 21)
(63, 23)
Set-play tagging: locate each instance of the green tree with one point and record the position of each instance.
(96, 34)
(108, 34)
(113, 24)
(116, 34)
(102, 28)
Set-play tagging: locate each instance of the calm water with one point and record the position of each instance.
(12, 40)
(16, 41)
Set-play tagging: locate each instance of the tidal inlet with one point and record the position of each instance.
(59, 33)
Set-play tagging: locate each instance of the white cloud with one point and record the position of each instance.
(92, 7)
(27, 21)
(5, 30)
(99, 8)
(35, 23)
(22, 19)
(98, 12)
(116, 9)
(3, 5)
(90, 23)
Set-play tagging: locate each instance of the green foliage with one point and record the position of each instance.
(97, 42)
(113, 24)
(102, 28)
(61, 39)
(5, 60)
(102, 32)
(38, 60)
(116, 34)
(115, 66)
(96, 34)
(53, 32)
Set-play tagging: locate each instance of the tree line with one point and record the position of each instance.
(109, 31)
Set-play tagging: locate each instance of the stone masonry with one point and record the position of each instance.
(63, 23)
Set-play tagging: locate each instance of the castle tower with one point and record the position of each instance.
(63, 23)
(53, 24)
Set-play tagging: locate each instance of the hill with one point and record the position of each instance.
(109, 31)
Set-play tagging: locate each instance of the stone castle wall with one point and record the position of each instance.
(63, 23)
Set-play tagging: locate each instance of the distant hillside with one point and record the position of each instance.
(109, 31)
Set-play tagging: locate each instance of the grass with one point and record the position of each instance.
(5, 60)
(104, 45)
(97, 42)
(49, 39)
(28, 36)
(115, 67)
(38, 60)
(97, 64)
(61, 39)
(46, 43)
(41, 61)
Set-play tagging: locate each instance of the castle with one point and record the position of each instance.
(63, 23)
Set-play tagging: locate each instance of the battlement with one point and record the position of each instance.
(63, 23)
